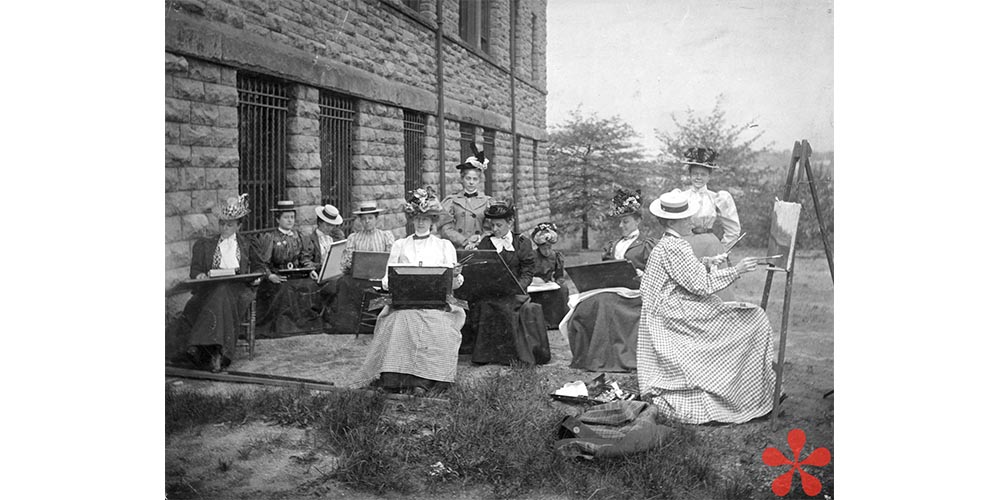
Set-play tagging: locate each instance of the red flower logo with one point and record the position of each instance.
(783, 483)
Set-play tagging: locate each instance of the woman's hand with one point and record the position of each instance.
(313, 275)
(276, 279)
(746, 265)
(201, 276)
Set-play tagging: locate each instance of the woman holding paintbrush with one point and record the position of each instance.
(700, 359)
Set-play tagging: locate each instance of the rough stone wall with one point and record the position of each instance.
(302, 178)
(379, 171)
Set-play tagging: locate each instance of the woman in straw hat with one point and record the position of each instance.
(286, 302)
(328, 231)
(210, 322)
(700, 359)
(717, 207)
(468, 206)
(416, 350)
(511, 328)
(602, 324)
(549, 268)
(367, 238)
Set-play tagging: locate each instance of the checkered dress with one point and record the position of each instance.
(701, 359)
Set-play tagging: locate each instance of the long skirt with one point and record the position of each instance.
(507, 329)
(553, 304)
(602, 332)
(212, 317)
(414, 348)
(712, 364)
(708, 245)
(350, 293)
(287, 309)
(325, 305)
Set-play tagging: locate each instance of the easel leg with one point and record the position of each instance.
(776, 401)
(767, 290)
(819, 217)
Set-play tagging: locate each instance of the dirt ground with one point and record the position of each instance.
(262, 461)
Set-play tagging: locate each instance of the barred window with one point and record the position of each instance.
(489, 143)
(414, 130)
(336, 133)
(467, 137)
(262, 113)
(536, 55)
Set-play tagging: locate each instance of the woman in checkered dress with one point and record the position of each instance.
(699, 359)
(416, 350)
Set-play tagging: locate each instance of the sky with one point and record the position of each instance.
(772, 61)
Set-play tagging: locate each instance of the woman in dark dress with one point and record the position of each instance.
(211, 320)
(286, 303)
(328, 231)
(549, 271)
(511, 328)
(602, 324)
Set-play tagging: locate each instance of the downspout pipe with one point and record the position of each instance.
(439, 55)
(515, 4)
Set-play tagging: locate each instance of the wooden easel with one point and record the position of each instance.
(800, 156)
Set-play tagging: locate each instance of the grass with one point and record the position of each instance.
(497, 435)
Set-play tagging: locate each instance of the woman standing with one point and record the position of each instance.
(714, 207)
(286, 303)
(350, 291)
(510, 328)
(468, 207)
(549, 268)
(209, 324)
(700, 359)
(603, 323)
(416, 350)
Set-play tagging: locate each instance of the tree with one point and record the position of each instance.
(589, 157)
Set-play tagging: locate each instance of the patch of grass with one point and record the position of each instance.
(261, 445)
(498, 432)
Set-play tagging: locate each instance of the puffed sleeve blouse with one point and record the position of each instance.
(716, 205)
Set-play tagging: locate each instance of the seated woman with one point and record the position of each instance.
(286, 303)
(510, 328)
(602, 324)
(715, 207)
(351, 291)
(416, 350)
(549, 268)
(210, 322)
(700, 359)
(327, 232)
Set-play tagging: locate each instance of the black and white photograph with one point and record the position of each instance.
(499, 249)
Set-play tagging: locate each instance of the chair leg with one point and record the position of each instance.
(252, 327)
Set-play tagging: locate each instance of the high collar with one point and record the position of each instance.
(702, 190)
(671, 232)
(230, 238)
(421, 236)
(632, 235)
(286, 232)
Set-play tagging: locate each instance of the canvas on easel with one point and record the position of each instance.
(781, 238)
(486, 275)
(331, 264)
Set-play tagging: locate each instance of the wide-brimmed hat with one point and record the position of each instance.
(368, 207)
(545, 232)
(478, 160)
(701, 157)
(674, 205)
(284, 206)
(422, 201)
(500, 210)
(626, 202)
(329, 214)
(236, 207)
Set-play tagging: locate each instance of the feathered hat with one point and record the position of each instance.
(500, 209)
(702, 157)
(422, 201)
(545, 232)
(236, 207)
(478, 160)
(626, 202)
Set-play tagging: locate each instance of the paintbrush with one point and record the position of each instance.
(733, 244)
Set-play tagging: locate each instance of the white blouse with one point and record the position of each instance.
(430, 251)
(716, 205)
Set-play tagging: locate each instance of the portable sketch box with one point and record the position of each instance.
(607, 274)
(418, 287)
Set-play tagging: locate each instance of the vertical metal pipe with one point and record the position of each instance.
(438, 48)
(514, 149)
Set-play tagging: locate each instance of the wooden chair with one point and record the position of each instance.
(249, 327)
(366, 318)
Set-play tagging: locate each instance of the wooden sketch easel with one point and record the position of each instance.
(784, 226)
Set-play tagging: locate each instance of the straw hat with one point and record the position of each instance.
(368, 207)
(284, 206)
(329, 214)
(236, 208)
(674, 205)
(701, 157)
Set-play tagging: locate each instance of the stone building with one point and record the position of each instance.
(341, 101)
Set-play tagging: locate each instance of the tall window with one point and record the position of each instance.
(474, 23)
(489, 141)
(535, 52)
(413, 4)
(414, 130)
(336, 128)
(535, 171)
(262, 112)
